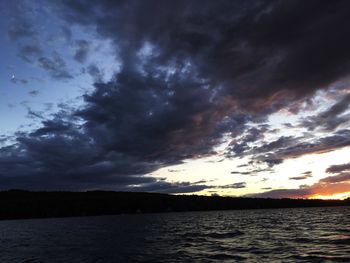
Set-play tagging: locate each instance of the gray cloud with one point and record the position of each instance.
(285, 193)
(66, 32)
(95, 73)
(30, 52)
(55, 66)
(82, 50)
(336, 178)
(293, 147)
(20, 29)
(16, 80)
(338, 168)
(330, 119)
(250, 135)
(33, 93)
(234, 186)
(304, 175)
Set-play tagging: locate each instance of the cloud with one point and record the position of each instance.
(119, 141)
(191, 73)
(284, 193)
(324, 144)
(55, 66)
(66, 32)
(328, 186)
(30, 52)
(20, 29)
(81, 51)
(166, 187)
(330, 119)
(283, 148)
(318, 189)
(305, 175)
(16, 80)
(342, 171)
(259, 48)
(234, 186)
(336, 178)
(95, 73)
(338, 168)
(33, 93)
(153, 118)
(250, 135)
(252, 172)
(31, 114)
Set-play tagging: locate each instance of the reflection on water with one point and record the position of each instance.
(281, 235)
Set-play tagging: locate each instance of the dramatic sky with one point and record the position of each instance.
(208, 97)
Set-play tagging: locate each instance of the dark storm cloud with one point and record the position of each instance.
(60, 156)
(213, 66)
(152, 117)
(255, 47)
(128, 131)
(82, 50)
(55, 66)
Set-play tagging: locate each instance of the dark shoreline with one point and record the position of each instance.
(18, 204)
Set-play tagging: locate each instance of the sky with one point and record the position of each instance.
(232, 98)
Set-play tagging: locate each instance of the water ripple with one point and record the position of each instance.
(281, 235)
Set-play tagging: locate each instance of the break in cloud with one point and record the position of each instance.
(192, 72)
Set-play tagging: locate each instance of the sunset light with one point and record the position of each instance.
(175, 131)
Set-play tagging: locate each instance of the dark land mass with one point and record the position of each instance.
(17, 204)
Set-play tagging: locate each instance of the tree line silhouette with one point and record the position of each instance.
(17, 204)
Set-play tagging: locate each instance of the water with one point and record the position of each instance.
(281, 235)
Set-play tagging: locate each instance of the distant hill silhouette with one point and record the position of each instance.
(15, 204)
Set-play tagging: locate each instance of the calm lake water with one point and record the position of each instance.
(281, 235)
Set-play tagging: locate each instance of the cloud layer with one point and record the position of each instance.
(191, 73)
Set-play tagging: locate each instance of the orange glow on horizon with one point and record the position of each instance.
(338, 196)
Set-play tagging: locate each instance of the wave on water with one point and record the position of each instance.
(281, 235)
